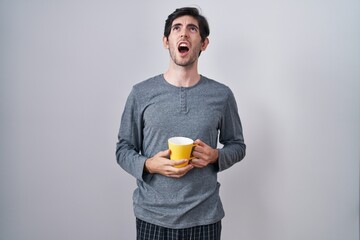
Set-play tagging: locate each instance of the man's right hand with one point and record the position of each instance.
(162, 165)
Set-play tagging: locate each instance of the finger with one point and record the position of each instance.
(164, 153)
(180, 172)
(199, 142)
(198, 163)
(199, 153)
(178, 162)
(200, 146)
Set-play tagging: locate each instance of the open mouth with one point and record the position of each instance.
(183, 48)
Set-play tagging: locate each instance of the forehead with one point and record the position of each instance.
(185, 20)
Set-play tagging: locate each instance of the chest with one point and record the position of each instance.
(185, 112)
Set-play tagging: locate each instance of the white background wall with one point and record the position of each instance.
(66, 68)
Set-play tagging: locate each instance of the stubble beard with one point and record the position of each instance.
(183, 62)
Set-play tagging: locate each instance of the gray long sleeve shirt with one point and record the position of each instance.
(155, 111)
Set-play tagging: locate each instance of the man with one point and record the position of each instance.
(172, 202)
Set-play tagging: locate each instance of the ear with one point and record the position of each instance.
(165, 42)
(205, 44)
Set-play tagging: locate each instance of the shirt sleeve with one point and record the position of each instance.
(231, 136)
(129, 145)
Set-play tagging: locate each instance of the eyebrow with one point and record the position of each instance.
(189, 25)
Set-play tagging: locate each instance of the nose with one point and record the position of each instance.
(184, 33)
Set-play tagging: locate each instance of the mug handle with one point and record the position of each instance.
(194, 145)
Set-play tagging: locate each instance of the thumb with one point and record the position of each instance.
(164, 153)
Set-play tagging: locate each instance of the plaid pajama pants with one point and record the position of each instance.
(148, 231)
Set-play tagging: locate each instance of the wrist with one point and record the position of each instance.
(216, 156)
(146, 166)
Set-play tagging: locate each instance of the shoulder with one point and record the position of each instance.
(143, 91)
(212, 85)
(148, 84)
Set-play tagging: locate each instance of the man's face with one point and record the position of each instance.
(184, 42)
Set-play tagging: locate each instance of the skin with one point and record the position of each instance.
(183, 72)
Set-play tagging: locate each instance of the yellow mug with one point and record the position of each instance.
(181, 148)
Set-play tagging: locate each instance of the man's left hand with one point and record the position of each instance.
(203, 154)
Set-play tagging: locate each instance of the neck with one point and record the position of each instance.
(182, 76)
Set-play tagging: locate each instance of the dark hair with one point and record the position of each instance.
(188, 11)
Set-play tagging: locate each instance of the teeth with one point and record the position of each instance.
(183, 45)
